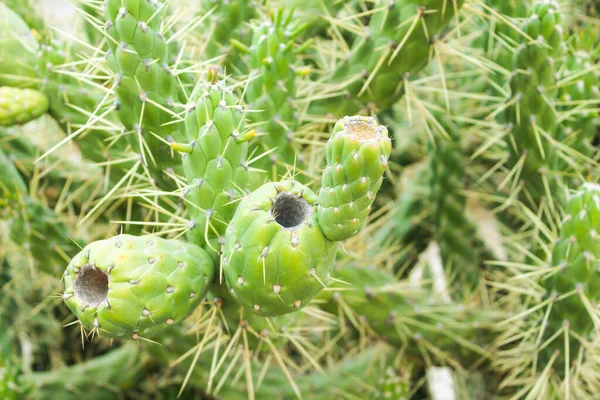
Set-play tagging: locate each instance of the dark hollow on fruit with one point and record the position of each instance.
(289, 210)
(90, 285)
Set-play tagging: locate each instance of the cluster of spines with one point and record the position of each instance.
(395, 44)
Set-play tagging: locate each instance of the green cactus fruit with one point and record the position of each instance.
(575, 256)
(357, 155)
(276, 258)
(215, 162)
(395, 42)
(531, 113)
(136, 286)
(19, 106)
(145, 84)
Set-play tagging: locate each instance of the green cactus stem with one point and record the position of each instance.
(357, 155)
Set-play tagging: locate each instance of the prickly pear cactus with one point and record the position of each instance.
(136, 287)
(357, 155)
(276, 257)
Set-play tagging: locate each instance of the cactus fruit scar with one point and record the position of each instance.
(276, 257)
(136, 286)
(357, 155)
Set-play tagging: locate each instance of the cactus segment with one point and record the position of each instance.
(575, 258)
(407, 316)
(225, 20)
(19, 106)
(397, 44)
(214, 162)
(145, 84)
(583, 87)
(272, 88)
(276, 258)
(531, 114)
(357, 155)
(136, 287)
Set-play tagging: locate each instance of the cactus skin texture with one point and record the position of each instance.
(19, 106)
(137, 287)
(139, 55)
(576, 255)
(276, 258)
(215, 163)
(357, 155)
(274, 60)
(533, 88)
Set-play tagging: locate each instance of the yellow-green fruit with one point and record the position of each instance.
(136, 286)
(276, 258)
(19, 106)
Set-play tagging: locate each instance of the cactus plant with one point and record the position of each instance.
(357, 155)
(219, 180)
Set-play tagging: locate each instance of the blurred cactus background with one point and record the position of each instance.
(260, 199)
